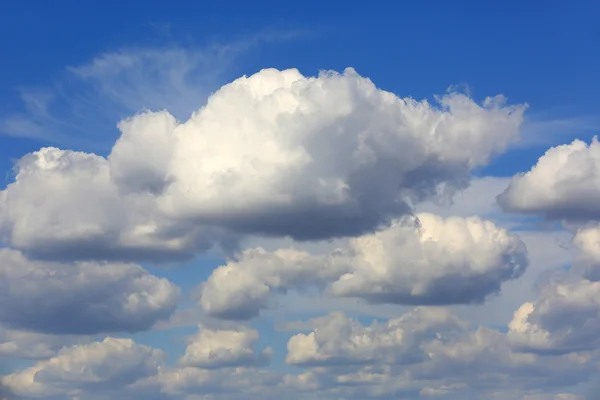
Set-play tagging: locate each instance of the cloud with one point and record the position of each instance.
(218, 348)
(562, 185)
(276, 153)
(95, 367)
(31, 345)
(82, 104)
(65, 205)
(427, 351)
(565, 317)
(81, 298)
(339, 340)
(428, 261)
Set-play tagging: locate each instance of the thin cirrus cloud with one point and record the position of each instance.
(81, 106)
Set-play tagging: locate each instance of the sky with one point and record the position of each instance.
(324, 200)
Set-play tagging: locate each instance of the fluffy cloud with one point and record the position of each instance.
(95, 367)
(65, 205)
(426, 352)
(81, 298)
(563, 319)
(218, 348)
(564, 184)
(429, 260)
(275, 153)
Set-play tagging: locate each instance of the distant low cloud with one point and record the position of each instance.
(81, 298)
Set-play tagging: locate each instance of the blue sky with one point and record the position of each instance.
(72, 70)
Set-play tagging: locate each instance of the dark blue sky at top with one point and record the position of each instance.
(543, 53)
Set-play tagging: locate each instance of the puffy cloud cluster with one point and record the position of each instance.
(565, 316)
(276, 153)
(82, 297)
(87, 368)
(425, 352)
(120, 368)
(428, 260)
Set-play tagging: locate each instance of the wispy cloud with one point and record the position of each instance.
(83, 106)
(545, 130)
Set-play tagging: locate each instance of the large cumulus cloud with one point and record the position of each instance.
(81, 298)
(276, 153)
(428, 260)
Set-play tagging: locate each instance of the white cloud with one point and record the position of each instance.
(564, 184)
(65, 205)
(564, 318)
(338, 340)
(31, 345)
(81, 298)
(275, 153)
(436, 261)
(442, 261)
(218, 348)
